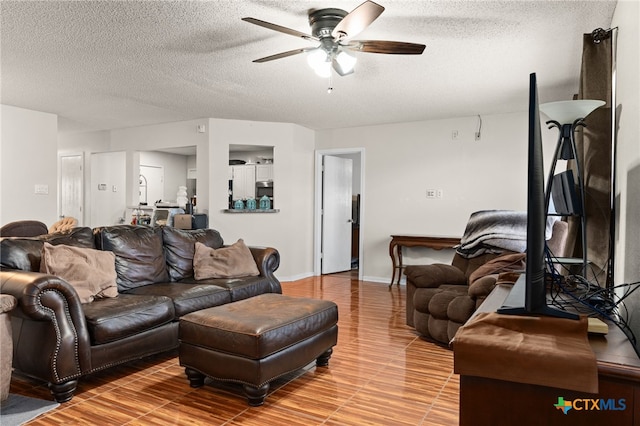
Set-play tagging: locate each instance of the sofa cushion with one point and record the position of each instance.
(439, 303)
(179, 248)
(460, 309)
(186, 297)
(139, 254)
(233, 261)
(24, 253)
(21, 253)
(114, 319)
(240, 288)
(91, 272)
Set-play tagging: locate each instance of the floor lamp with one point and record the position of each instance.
(567, 116)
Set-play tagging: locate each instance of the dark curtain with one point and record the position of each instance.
(595, 146)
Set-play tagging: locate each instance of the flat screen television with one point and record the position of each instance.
(528, 295)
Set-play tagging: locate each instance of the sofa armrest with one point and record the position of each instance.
(434, 275)
(268, 260)
(481, 287)
(50, 335)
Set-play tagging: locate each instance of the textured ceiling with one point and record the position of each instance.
(106, 65)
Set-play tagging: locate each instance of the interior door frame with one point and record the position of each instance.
(317, 216)
(80, 154)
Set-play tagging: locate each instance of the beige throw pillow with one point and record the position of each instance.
(233, 261)
(91, 272)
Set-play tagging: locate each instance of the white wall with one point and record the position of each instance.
(28, 157)
(290, 230)
(84, 144)
(627, 260)
(175, 171)
(404, 160)
(167, 135)
(108, 204)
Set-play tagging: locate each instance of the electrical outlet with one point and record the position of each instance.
(454, 135)
(439, 193)
(431, 193)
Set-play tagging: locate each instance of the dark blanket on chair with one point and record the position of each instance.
(494, 231)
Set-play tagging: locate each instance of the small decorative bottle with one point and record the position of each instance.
(265, 203)
(251, 203)
(238, 205)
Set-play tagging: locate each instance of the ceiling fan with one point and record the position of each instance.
(334, 29)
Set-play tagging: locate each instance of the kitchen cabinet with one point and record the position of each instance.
(244, 181)
(264, 172)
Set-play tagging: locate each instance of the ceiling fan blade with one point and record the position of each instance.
(385, 46)
(283, 55)
(357, 20)
(279, 28)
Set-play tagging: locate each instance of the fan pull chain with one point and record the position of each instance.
(330, 88)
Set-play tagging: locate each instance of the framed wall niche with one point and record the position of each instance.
(251, 177)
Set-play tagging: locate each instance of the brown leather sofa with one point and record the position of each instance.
(58, 339)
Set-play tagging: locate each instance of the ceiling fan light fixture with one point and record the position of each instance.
(320, 62)
(346, 62)
(334, 29)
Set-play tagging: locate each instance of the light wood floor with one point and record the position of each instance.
(380, 373)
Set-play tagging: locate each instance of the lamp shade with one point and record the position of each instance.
(346, 62)
(318, 60)
(566, 112)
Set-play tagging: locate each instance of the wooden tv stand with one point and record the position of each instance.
(486, 401)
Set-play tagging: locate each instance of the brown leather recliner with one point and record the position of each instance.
(441, 297)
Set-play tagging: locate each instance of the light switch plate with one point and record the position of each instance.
(41, 189)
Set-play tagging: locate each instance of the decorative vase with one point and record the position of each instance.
(265, 203)
(238, 205)
(251, 204)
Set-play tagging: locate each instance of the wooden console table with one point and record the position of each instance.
(485, 401)
(399, 241)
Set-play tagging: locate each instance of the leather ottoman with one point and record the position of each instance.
(256, 340)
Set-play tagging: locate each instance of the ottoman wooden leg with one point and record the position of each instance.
(256, 395)
(323, 360)
(196, 378)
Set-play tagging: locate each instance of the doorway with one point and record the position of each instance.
(71, 187)
(356, 181)
(151, 185)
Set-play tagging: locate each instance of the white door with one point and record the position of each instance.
(336, 214)
(71, 178)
